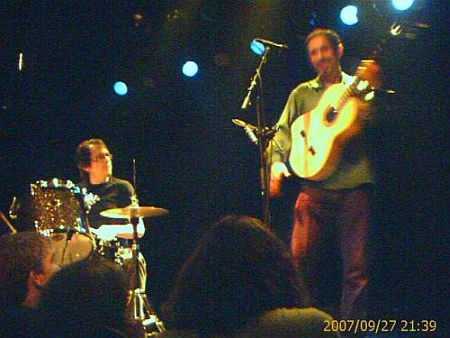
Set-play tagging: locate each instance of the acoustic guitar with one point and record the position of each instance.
(319, 136)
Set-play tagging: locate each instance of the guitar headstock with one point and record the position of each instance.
(396, 29)
(369, 70)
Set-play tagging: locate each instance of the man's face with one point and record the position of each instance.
(323, 57)
(101, 163)
(49, 268)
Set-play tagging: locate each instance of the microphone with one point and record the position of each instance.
(249, 129)
(268, 43)
(244, 124)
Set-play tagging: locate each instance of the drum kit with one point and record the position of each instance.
(58, 209)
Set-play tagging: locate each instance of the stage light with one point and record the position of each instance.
(190, 68)
(349, 15)
(402, 5)
(257, 47)
(120, 88)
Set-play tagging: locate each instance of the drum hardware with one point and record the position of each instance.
(142, 309)
(14, 208)
(112, 250)
(88, 199)
(8, 223)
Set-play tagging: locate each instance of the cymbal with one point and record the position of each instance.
(134, 212)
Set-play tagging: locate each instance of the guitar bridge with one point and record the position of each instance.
(310, 148)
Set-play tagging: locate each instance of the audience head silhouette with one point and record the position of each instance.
(87, 298)
(26, 261)
(239, 271)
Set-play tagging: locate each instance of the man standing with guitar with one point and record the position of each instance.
(321, 137)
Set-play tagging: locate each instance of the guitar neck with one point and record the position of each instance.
(350, 91)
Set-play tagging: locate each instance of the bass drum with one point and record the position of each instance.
(71, 247)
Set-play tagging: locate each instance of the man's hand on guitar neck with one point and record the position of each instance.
(370, 71)
(278, 172)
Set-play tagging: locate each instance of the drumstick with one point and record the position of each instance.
(7, 222)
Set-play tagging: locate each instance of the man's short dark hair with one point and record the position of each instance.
(83, 157)
(20, 254)
(330, 34)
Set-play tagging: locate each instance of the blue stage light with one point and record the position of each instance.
(120, 88)
(257, 47)
(402, 5)
(190, 69)
(349, 15)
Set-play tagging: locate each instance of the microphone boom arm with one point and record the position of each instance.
(247, 100)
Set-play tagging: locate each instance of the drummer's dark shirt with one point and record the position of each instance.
(116, 193)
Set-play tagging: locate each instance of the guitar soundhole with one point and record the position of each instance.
(331, 115)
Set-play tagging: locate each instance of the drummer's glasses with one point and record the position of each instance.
(101, 157)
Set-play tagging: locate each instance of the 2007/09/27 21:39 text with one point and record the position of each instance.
(379, 325)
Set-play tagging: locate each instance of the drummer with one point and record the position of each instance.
(94, 162)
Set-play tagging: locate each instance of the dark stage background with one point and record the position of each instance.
(189, 157)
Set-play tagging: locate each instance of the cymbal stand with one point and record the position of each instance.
(142, 309)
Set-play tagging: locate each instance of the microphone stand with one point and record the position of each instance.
(263, 133)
